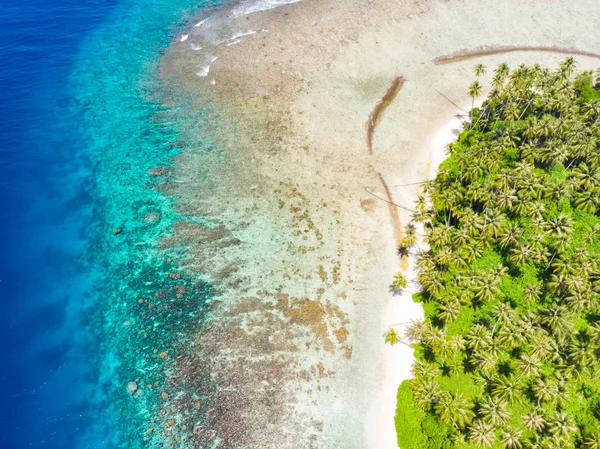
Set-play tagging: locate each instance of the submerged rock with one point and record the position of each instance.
(158, 171)
(152, 217)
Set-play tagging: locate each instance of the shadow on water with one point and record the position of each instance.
(53, 358)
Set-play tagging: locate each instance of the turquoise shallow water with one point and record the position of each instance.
(87, 308)
(146, 305)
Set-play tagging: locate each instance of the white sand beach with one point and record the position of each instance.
(316, 238)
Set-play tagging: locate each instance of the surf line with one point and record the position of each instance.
(463, 55)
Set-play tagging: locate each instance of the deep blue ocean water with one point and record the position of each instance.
(77, 136)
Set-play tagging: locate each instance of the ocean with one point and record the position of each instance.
(79, 221)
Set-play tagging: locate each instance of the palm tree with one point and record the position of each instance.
(472, 251)
(511, 439)
(506, 389)
(585, 148)
(425, 391)
(545, 390)
(545, 127)
(444, 256)
(581, 352)
(556, 350)
(431, 335)
(560, 226)
(520, 255)
(495, 222)
(391, 337)
(512, 111)
(510, 236)
(400, 282)
(502, 70)
(479, 337)
(534, 210)
(479, 70)
(587, 201)
(591, 109)
(444, 349)
(494, 411)
(503, 313)
(567, 66)
(594, 332)
(460, 237)
(561, 426)
(528, 366)
(559, 189)
(410, 234)
(457, 343)
(486, 361)
(532, 293)
(540, 347)
(506, 200)
(558, 320)
(587, 177)
(563, 266)
(432, 280)
(415, 330)
(482, 433)
(453, 408)
(555, 152)
(510, 337)
(485, 290)
(580, 300)
(474, 91)
(497, 273)
(592, 442)
(549, 442)
(425, 369)
(534, 421)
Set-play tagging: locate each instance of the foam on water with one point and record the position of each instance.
(218, 27)
(242, 34)
(203, 71)
(249, 7)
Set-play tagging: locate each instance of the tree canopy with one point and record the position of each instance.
(508, 354)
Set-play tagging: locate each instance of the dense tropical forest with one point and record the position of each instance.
(507, 356)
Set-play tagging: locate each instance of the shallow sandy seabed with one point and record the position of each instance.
(296, 232)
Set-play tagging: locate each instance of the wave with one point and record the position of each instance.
(249, 7)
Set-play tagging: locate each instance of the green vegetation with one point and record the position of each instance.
(507, 356)
(400, 282)
(391, 337)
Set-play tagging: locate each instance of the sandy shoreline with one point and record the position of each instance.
(301, 246)
(400, 311)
